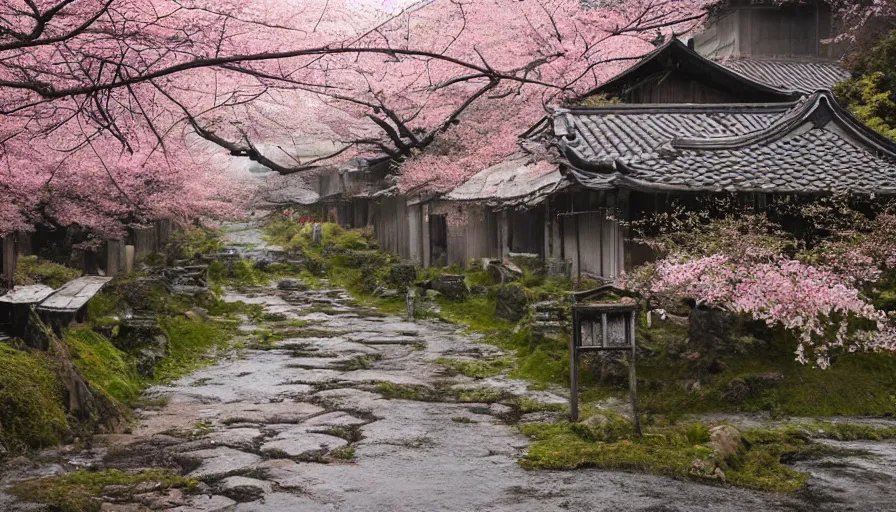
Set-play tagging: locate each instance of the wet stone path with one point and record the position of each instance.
(307, 420)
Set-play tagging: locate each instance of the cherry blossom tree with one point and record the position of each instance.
(820, 290)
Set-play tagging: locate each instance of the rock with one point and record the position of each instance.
(143, 337)
(512, 303)
(123, 507)
(504, 272)
(301, 443)
(206, 503)
(479, 290)
(242, 489)
(725, 440)
(222, 462)
(188, 280)
(37, 335)
(528, 261)
(452, 286)
(239, 438)
(317, 234)
(385, 293)
(500, 410)
(402, 275)
(742, 389)
(432, 294)
(291, 285)
(334, 419)
(597, 421)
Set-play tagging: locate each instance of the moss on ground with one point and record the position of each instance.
(81, 491)
(33, 270)
(190, 346)
(477, 369)
(31, 411)
(103, 366)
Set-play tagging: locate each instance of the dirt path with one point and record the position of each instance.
(302, 425)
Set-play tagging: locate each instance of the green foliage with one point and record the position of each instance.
(102, 305)
(81, 490)
(103, 366)
(343, 453)
(193, 242)
(32, 270)
(31, 411)
(869, 93)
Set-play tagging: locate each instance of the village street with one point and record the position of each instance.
(302, 425)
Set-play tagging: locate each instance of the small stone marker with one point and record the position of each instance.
(317, 234)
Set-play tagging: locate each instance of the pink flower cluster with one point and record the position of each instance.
(820, 305)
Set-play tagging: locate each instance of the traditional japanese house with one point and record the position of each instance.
(734, 109)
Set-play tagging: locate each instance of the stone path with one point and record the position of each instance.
(301, 424)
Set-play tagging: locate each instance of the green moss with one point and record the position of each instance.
(676, 451)
(81, 491)
(477, 369)
(103, 366)
(31, 412)
(189, 344)
(392, 391)
(343, 453)
(194, 242)
(102, 305)
(32, 270)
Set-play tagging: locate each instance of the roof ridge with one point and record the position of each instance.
(666, 108)
(821, 107)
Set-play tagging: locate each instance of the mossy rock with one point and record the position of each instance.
(512, 302)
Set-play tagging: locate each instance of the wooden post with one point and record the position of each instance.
(427, 244)
(548, 252)
(10, 257)
(505, 235)
(129, 257)
(113, 266)
(632, 376)
(573, 369)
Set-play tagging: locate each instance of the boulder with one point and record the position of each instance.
(402, 275)
(291, 285)
(725, 440)
(504, 272)
(512, 303)
(451, 286)
(188, 280)
(742, 389)
(142, 336)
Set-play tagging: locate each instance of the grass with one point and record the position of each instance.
(477, 369)
(33, 270)
(669, 451)
(346, 453)
(189, 344)
(392, 391)
(31, 411)
(81, 491)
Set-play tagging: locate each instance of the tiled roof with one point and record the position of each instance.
(517, 181)
(604, 134)
(817, 147)
(805, 77)
(676, 56)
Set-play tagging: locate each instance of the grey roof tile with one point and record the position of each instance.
(805, 77)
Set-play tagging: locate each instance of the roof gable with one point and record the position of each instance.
(674, 57)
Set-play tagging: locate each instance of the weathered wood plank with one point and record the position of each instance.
(31, 294)
(74, 294)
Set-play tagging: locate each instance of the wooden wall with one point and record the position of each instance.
(8, 258)
(676, 88)
(788, 32)
(390, 224)
(475, 238)
(591, 238)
